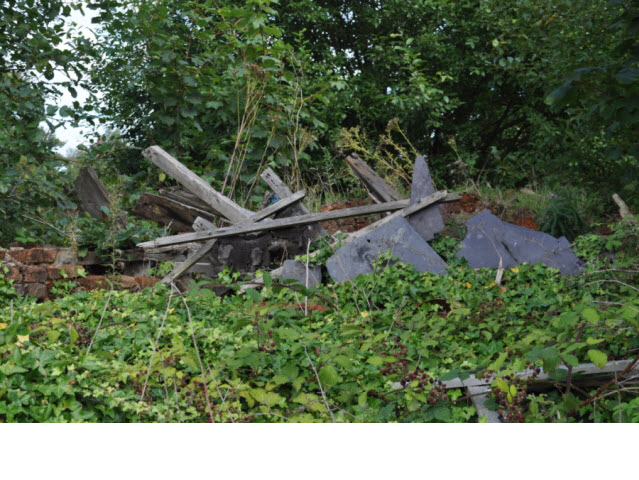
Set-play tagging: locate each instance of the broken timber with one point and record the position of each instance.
(176, 215)
(379, 189)
(281, 190)
(276, 224)
(480, 388)
(206, 248)
(221, 204)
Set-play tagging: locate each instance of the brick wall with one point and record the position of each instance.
(34, 271)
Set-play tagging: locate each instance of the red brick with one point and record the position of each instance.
(37, 290)
(66, 256)
(145, 282)
(21, 289)
(34, 274)
(13, 274)
(35, 255)
(128, 283)
(55, 273)
(93, 282)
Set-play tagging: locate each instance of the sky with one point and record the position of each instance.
(74, 136)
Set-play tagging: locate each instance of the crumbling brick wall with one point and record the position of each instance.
(34, 271)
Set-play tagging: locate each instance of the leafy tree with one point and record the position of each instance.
(210, 81)
(32, 48)
(466, 77)
(603, 92)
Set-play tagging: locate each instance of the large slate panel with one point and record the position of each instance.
(295, 270)
(429, 221)
(488, 239)
(357, 257)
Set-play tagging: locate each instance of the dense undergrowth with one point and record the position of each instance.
(374, 350)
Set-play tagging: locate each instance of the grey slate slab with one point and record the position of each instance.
(488, 239)
(357, 257)
(295, 270)
(429, 221)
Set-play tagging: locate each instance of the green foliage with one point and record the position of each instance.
(212, 82)
(603, 90)
(372, 350)
(561, 217)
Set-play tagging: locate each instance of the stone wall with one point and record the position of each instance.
(34, 271)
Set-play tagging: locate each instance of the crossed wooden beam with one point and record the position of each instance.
(245, 222)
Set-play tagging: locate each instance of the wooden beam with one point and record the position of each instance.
(425, 202)
(276, 224)
(176, 215)
(380, 190)
(611, 367)
(196, 185)
(208, 246)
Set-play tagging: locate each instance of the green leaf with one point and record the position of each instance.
(501, 384)
(344, 362)
(571, 360)
(590, 315)
(375, 360)
(328, 375)
(253, 294)
(268, 279)
(497, 364)
(53, 335)
(598, 357)
(8, 369)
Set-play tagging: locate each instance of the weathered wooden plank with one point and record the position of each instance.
(278, 206)
(276, 224)
(381, 191)
(201, 225)
(189, 262)
(92, 193)
(479, 396)
(183, 196)
(178, 216)
(276, 184)
(425, 202)
(196, 185)
(614, 366)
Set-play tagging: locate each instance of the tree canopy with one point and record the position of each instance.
(516, 92)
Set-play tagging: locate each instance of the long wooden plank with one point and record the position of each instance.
(276, 224)
(381, 191)
(614, 366)
(196, 185)
(425, 202)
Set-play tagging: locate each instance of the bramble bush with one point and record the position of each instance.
(372, 350)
